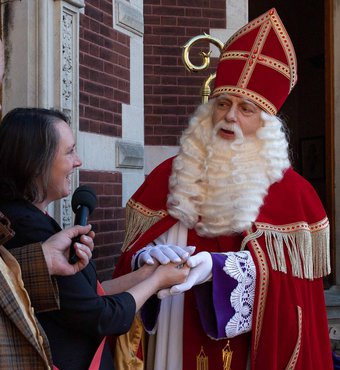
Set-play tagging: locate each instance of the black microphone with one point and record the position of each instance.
(83, 202)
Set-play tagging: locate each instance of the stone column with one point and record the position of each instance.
(66, 81)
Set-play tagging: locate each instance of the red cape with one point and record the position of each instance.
(290, 328)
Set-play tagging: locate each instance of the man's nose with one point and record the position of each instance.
(231, 115)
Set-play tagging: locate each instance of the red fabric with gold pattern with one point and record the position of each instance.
(290, 329)
(194, 337)
(258, 63)
(289, 323)
(152, 195)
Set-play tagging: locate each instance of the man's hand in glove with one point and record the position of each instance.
(201, 266)
(164, 254)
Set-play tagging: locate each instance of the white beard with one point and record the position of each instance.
(218, 186)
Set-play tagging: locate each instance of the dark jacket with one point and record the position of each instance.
(84, 318)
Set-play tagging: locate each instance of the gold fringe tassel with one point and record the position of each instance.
(138, 219)
(307, 248)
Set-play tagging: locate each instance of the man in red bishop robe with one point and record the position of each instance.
(254, 297)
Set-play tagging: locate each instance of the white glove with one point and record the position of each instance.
(164, 254)
(201, 266)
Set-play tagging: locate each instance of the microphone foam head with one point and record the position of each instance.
(84, 196)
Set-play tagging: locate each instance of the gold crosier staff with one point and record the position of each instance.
(205, 90)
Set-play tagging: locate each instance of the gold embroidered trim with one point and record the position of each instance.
(139, 219)
(263, 279)
(262, 59)
(202, 362)
(127, 346)
(259, 99)
(292, 362)
(271, 20)
(287, 228)
(227, 355)
(254, 55)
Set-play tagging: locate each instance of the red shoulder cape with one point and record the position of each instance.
(288, 202)
(290, 328)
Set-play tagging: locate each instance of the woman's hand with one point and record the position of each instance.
(56, 250)
(172, 274)
(200, 266)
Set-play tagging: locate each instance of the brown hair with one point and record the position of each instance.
(28, 144)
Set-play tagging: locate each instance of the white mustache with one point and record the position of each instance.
(233, 127)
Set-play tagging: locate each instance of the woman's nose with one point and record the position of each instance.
(77, 162)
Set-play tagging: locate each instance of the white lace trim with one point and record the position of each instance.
(241, 267)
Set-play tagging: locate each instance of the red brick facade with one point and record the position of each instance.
(108, 218)
(104, 84)
(170, 92)
(104, 77)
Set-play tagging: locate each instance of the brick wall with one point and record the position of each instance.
(107, 219)
(104, 70)
(104, 85)
(171, 92)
